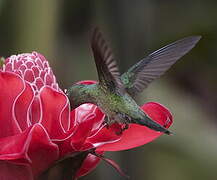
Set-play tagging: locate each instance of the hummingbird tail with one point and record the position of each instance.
(152, 125)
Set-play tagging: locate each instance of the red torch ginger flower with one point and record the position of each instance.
(38, 128)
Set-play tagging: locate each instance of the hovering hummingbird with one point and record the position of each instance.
(114, 94)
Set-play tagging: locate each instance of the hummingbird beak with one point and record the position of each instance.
(152, 125)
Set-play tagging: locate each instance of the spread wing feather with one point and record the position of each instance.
(108, 73)
(137, 78)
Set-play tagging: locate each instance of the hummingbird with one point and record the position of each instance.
(115, 94)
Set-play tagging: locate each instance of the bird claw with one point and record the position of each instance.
(106, 122)
(121, 127)
(126, 126)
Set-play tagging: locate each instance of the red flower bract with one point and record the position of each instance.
(38, 128)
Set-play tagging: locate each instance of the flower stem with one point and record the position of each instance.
(65, 169)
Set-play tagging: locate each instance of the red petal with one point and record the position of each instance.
(8, 67)
(32, 147)
(88, 82)
(138, 135)
(36, 111)
(89, 164)
(42, 58)
(10, 171)
(29, 76)
(103, 136)
(87, 119)
(86, 109)
(22, 107)
(81, 134)
(53, 105)
(11, 86)
(85, 122)
(42, 151)
(65, 118)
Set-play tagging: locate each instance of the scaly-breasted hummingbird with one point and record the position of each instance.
(114, 94)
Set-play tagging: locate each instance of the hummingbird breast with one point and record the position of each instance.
(116, 107)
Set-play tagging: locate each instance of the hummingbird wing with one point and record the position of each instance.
(137, 78)
(108, 73)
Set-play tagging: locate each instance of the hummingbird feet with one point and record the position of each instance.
(126, 126)
(106, 122)
(119, 128)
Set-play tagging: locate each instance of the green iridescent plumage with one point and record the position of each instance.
(114, 93)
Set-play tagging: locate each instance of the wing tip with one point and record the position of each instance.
(195, 38)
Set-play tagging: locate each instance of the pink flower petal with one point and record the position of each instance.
(138, 135)
(103, 136)
(22, 107)
(53, 105)
(29, 76)
(10, 171)
(42, 58)
(31, 66)
(42, 151)
(88, 165)
(65, 118)
(87, 82)
(36, 110)
(86, 109)
(39, 83)
(82, 132)
(49, 79)
(32, 147)
(35, 70)
(85, 122)
(11, 86)
(88, 119)
(8, 67)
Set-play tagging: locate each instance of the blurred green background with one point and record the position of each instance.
(61, 30)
